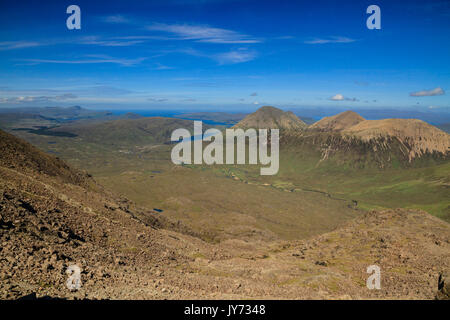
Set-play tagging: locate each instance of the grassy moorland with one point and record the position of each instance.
(53, 214)
(202, 197)
(306, 197)
(425, 188)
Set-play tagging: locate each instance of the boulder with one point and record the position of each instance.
(443, 286)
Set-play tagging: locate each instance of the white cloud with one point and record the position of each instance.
(202, 33)
(157, 99)
(94, 59)
(424, 93)
(340, 97)
(103, 90)
(237, 56)
(232, 57)
(337, 97)
(330, 40)
(160, 66)
(24, 99)
(87, 40)
(10, 45)
(116, 19)
(94, 40)
(438, 107)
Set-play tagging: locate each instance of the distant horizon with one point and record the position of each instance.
(224, 54)
(434, 117)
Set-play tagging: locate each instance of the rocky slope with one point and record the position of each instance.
(417, 136)
(271, 118)
(52, 217)
(20, 155)
(348, 138)
(411, 248)
(338, 122)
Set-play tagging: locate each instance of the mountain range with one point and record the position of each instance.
(271, 118)
(386, 140)
(140, 227)
(53, 216)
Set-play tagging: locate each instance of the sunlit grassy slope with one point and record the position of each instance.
(306, 197)
(426, 188)
(205, 198)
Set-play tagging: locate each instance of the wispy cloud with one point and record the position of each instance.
(203, 33)
(284, 38)
(61, 93)
(94, 59)
(254, 94)
(235, 56)
(95, 40)
(170, 32)
(25, 99)
(330, 40)
(116, 19)
(185, 79)
(424, 93)
(87, 40)
(160, 66)
(157, 99)
(340, 97)
(11, 45)
(231, 57)
(202, 84)
(103, 91)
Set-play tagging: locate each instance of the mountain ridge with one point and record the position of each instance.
(416, 135)
(136, 131)
(18, 154)
(268, 117)
(337, 122)
(383, 140)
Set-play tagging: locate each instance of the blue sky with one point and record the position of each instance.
(225, 55)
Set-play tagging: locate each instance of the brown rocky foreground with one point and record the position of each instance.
(52, 216)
